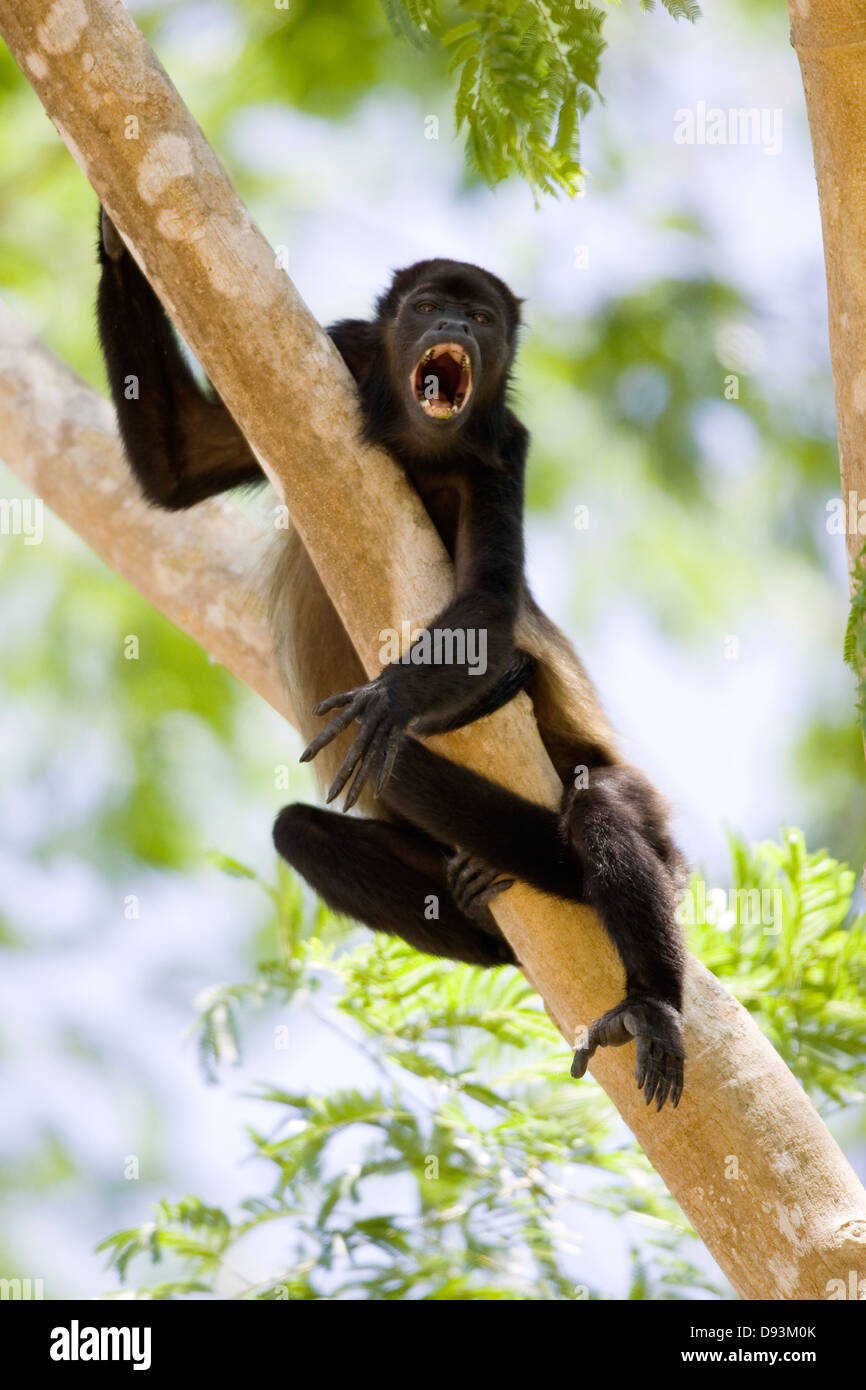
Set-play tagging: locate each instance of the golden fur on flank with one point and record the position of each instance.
(317, 658)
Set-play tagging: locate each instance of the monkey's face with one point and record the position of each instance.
(452, 348)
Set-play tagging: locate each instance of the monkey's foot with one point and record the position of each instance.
(656, 1027)
(474, 884)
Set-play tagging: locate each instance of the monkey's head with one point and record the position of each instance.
(449, 332)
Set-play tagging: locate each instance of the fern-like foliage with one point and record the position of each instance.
(526, 71)
(792, 951)
(449, 1175)
(678, 9)
(855, 635)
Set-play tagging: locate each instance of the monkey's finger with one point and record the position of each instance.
(473, 877)
(672, 1074)
(653, 1073)
(392, 748)
(452, 870)
(677, 1083)
(580, 1063)
(643, 1060)
(481, 877)
(664, 1085)
(354, 791)
(583, 1055)
(657, 1066)
(352, 760)
(495, 889)
(362, 773)
(473, 887)
(335, 701)
(327, 735)
(359, 781)
(454, 866)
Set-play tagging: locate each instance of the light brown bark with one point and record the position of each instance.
(794, 1216)
(830, 42)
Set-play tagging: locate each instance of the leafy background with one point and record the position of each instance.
(380, 1125)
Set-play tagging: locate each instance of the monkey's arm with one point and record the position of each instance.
(182, 442)
(466, 659)
(482, 614)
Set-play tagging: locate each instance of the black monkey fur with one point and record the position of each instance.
(431, 371)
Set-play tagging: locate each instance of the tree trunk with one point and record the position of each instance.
(794, 1217)
(830, 41)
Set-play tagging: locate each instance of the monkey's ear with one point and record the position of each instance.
(359, 343)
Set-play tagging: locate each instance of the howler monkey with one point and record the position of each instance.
(432, 371)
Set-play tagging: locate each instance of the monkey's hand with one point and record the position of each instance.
(656, 1026)
(375, 748)
(473, 885)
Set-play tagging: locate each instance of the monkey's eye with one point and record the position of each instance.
(425, 307)
(480, 316)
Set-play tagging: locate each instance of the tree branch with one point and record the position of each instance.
(795, 1216)
(199, 568)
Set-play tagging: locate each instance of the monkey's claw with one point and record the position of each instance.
(473, 883)
(656, 1027)
(374, 750)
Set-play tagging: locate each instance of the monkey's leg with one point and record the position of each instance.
(181, 441)
(458, 807)
(605, 848)
(391, 878)
(632, 871)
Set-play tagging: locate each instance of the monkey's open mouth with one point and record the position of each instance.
(442, 381)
